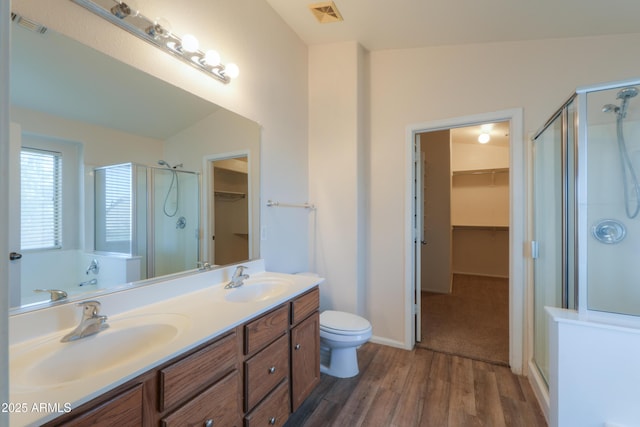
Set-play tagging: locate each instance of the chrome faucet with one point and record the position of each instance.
(56, 294)
(91, 322)
(88, 282)
(93, 267)
(237, 278)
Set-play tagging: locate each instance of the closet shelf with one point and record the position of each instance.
(481, 227)
(230, 195)
(480, 171)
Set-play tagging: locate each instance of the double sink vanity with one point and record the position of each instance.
(183, 352)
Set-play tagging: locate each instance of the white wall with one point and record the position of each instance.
(428, 84)
(271, 88)
(337, 173)
(409, 86)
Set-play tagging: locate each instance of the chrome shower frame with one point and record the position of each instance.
(582, 196)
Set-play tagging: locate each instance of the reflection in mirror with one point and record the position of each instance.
(121, 195)
(229, 222)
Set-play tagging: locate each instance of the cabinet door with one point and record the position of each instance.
(123, 410)
(305, 359)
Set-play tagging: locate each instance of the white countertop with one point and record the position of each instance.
(196, 301)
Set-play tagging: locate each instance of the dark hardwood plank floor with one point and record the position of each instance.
(420, 388)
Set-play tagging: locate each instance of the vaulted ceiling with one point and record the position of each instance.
(384, 24)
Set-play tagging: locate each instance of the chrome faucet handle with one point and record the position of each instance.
(56, 294)
(204, 266)
(89, 309)
(239, 270)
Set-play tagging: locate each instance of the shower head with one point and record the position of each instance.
(627, 92)
(163, 163)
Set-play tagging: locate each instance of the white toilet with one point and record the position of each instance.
(340, 335)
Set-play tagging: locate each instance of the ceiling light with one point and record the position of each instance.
(158, 33)
(484, 138)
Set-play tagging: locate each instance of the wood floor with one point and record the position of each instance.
(420, 388)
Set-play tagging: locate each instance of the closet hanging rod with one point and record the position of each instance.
(271, 203)
(481, 171)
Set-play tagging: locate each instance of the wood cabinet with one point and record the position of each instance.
(305, 346)
(184, 378)
(123, 410)
(218, 405)
(252, 375)
(305, 359)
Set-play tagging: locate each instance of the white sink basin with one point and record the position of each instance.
(50, 363)
(258, 289)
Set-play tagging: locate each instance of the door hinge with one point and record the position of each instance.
(534, 249)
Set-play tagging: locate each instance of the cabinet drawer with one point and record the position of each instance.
(124, 410)
(219, 405)
(184, 378)
(304, 305)
(265, 370)
(265, 329)
(273, 411)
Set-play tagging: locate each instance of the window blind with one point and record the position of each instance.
(118, 204)
(40, 199)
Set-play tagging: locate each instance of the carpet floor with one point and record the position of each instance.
(472, 321)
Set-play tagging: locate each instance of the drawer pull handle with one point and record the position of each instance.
(272, 369)
(208, 423)
(297, 347)
(272, 420)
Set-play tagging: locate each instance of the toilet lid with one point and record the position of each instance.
(341, 321)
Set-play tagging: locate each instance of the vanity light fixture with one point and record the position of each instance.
(158, 33)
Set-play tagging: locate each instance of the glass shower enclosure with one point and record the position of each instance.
(151, 213)
(586, 208)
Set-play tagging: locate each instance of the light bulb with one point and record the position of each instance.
(189, 43)
(231, 70)
(212, 58)
(161, 28)
(484, 138)
(122, 10)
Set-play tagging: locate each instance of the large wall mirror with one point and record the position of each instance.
(123, 178)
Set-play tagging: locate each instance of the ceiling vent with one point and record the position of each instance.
(325, 12)
(28, 24)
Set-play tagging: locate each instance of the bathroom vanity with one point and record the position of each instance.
(255, 371)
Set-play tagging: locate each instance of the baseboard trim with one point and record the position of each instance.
(391, 343)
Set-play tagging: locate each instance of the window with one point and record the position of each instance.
(41, 199)
(114, 208)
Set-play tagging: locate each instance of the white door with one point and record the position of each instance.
(418, 233)
(15, 142)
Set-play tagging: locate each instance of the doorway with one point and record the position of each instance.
(517, 195)
(228, 213)
(464, 279)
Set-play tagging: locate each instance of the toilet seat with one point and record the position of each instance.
(341, 323)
